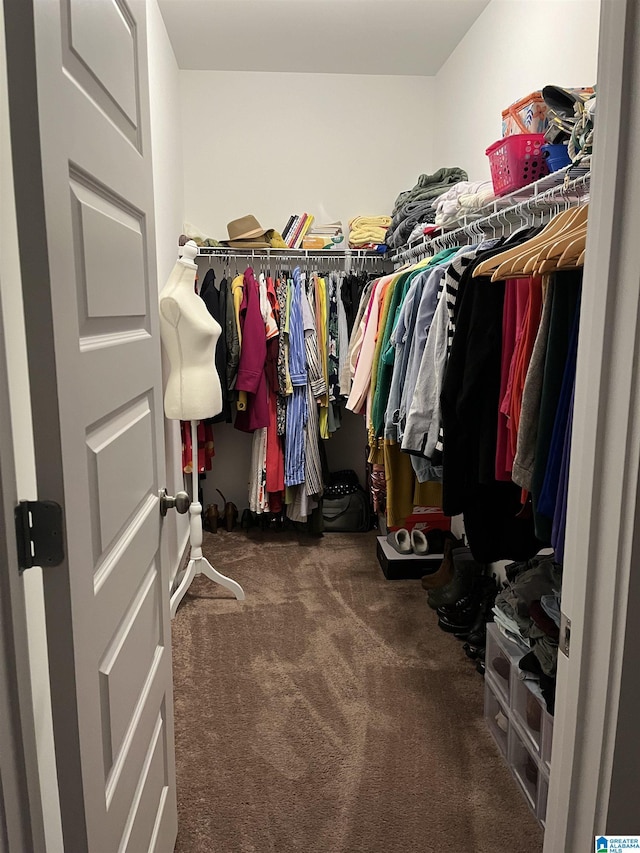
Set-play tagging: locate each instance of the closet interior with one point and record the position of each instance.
(401, 387)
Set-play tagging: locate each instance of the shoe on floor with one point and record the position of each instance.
(419, 542)
(444, 573)
(400, 540)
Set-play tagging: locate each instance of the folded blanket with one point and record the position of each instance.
(364, 230)
(415, 205)
(374, 221)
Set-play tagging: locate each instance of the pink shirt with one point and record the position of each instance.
(364, 366)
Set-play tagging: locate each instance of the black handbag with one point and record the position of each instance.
(346, 513)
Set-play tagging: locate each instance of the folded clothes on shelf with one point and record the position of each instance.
(367, 231)
(416, 205)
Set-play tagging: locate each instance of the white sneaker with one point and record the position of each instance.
(419, 542)
(400, 540)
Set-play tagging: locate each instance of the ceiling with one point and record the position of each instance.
(413, 37)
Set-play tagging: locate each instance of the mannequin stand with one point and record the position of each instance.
(199, 565)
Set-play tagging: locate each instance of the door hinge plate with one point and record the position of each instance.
(565, 634)
(39, 534)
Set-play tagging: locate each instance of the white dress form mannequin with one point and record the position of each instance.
(190, 334)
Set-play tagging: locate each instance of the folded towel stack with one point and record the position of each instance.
(416, 205)
(366, 231)
(450, 205)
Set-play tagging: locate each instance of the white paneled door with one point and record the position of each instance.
(79, 106)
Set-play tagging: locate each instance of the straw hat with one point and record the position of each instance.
(245, 233)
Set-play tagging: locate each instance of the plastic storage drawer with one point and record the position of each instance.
(500, 658)
(525, 767)
(529, 711)
(496, 717)
(547, 740)
(543, 796)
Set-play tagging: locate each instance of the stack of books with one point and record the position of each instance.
(296, 228)
(329, 236)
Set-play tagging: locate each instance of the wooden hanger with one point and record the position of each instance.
(550, 230)
(576, 248)
(528, 262)
(564, 251)
(576, 226)
(533, 253)
(545, 259)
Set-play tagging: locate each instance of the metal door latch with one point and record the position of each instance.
(39, 534)
(181, 502)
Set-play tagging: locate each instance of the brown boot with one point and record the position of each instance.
(444, 573)
(230, 516)
(229, 513)
(212, 515)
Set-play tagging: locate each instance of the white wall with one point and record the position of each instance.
(168, 184)
(274, 144)
(515, 47)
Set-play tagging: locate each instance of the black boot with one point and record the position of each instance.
(465, 571)
(473, 653)
(456, 623)
(459, 617)
(475, 636)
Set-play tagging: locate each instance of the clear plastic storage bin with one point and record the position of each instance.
(543, 796)
(500, 657)
(496, 717)
(516, 715)
(547, 740)
(529, 710)
(525, 767)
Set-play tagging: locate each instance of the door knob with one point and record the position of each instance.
(181, 502)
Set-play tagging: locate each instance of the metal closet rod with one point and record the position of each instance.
(542, 205)
(223, 251)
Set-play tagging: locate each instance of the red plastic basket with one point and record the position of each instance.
(516, 161)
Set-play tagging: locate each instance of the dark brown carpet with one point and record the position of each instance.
(328, 713)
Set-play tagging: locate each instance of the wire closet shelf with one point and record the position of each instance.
(534, 204)
(346, 258)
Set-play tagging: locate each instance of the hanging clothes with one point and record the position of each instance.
(515, 308)
(470, 402)
(563, 331)
(274, 462)
(364, 356)
(316, 387)
(333, 359)
(206, 450)
(512, 402)
(216, 301)
(251, 375)
(297, 401)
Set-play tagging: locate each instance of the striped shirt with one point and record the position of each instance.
(297, 402)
